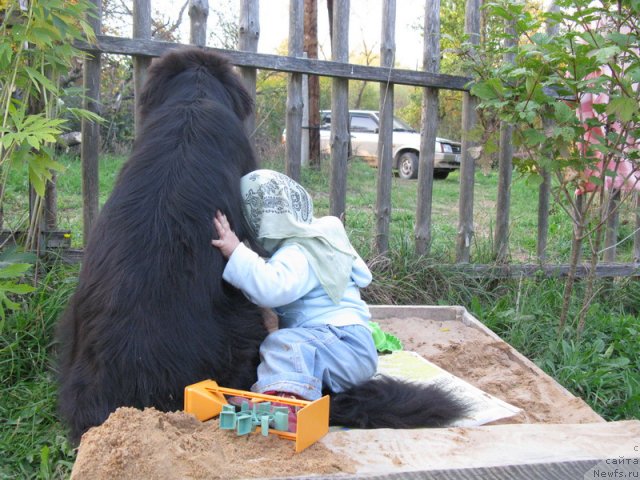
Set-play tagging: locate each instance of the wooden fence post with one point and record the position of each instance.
(141, 30)
(430, 106)
(294, 92)
(611, 230)
(468, 163)
(198, 13)
(304, 147)
(51, 203)
(385, 134)
(90, 145)
(505, 169)
(544, 192)
(313, 100)
(248, 36)
(339, 110)
(636, 236)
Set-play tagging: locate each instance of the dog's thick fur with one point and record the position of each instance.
(151, 313)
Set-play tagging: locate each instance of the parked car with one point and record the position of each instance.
(364, 129)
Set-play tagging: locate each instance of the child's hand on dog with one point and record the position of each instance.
(227, 240)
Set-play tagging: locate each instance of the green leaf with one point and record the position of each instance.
(563, 113)
(18, 288)
(37, 181)
(45, 471)
(624, 108)
(10, 304)
(40, 79)
(621, 39)
(533, 137)
(33, 141)
(619, 362)
(491, 89)
(14, 270)
(82, 113)
(634, 74)
(540, 38)
(605, 54)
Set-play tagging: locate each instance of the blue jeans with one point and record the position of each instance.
(304, 360)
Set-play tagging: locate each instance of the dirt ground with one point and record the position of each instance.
(150, 444)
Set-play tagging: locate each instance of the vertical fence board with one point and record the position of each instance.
(304, 147)
(544, 192)
(90, 146)
(468, 167)
(294, 92)
(313, 100)
(198, 13)
(248, 37)
(51, 203)
(505, 170)
(430, 106)
(142, 30)
(339, 110)
(636, 236)
(611, 231)
(385, 137)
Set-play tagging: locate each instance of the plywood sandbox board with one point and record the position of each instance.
(556, 435)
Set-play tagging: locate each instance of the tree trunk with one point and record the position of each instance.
(576, 254)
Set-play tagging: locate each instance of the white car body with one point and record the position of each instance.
(406, 144)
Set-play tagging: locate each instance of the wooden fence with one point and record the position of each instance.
(142, 48)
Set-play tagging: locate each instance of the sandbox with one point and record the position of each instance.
(555, 435)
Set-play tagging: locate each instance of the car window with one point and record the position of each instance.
(400, 126)
(363, 124)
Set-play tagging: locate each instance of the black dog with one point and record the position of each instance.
(151, 313)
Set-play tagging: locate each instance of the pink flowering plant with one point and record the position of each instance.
(570, 89)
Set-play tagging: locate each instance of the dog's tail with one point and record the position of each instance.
(387, 402)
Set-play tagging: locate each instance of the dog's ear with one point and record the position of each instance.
(193, 74)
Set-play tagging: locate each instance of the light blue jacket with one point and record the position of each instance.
(287, 283)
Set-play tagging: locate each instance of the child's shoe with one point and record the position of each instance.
(293, 410)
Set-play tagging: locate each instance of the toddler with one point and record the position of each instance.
(311, 280)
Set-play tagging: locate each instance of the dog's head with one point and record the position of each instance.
(191, 74)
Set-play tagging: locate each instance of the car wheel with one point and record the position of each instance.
(440, 174)
(408, 166)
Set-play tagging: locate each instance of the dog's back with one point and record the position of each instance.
(151, 313)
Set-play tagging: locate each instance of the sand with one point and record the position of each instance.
(494, 367)
(134, 444)
(151, 444)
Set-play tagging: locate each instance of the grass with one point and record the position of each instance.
(361, 204)
(32, 441)
(360, 215)
(602, 366)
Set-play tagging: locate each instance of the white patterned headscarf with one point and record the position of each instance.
(280, 211)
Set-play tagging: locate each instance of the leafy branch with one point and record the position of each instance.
(573, 99)
(36, 40)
